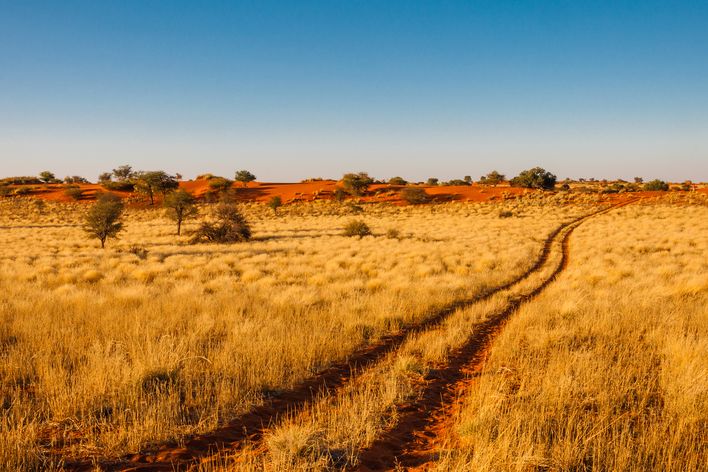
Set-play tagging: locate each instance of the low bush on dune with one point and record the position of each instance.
(656, 185)
(414, 195)
(74, 192)
(230, 226)
(357, 228)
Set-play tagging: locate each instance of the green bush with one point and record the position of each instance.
(535, 178)
(414, 195)
(119, 185)
(74, 193)
(397, 181)
(357, 228)
(230, 227)
(656, 185)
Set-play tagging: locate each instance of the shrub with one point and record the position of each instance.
(119, 185)
(356, 184)
(103, 219)
(393, 233)
(5, 190)
(75, 179)
(23, 191)
(357, 228)
(20, 181)
(397, 181)
(493, 178)
(656, 185)
(456, 182)
(340, 195)
(139, 251)
(230, 227)
(220, 184)
(432, 181)
(48, 177)
(414, 195)
(535, 178)
(275, 202)
(74, 193)
(505, 214)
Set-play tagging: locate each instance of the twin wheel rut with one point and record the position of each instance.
(421, 426)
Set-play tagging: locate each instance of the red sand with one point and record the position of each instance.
(324, 190)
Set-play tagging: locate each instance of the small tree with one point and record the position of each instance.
(414, 195)
(230, 227)
(494, 178)
(535, 178)
(656, 185)
(47, 177)
(638, 180)
(274, 203)
(432, 181)
(244, 177)
(180, 206)
(103, 219)
(468, 179)
(397, 181)
(124, 173)
(340, 195)
(105, 177)
(356, 184)
(155, 181)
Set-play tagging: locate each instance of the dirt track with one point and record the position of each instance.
(251, 426)
(425, 424)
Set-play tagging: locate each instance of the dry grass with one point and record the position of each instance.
(608, 369)
(106, 352)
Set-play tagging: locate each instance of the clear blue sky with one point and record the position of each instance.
(297, 89)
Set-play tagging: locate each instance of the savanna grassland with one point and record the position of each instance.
(153, 340)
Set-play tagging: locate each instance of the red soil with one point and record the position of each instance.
(324, 190)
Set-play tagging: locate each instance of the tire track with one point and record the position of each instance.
(251, 426)
(424, 423)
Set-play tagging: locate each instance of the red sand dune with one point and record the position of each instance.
(321, 190)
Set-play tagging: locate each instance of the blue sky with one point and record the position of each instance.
(301, 89)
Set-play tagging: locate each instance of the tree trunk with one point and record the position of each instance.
(179, 226)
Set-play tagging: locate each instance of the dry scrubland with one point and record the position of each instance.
(608, 368)
(105, 352)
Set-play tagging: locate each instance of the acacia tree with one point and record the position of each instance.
(103, 219)
(47, 177)
(124, 173)
(151, 182)
(180, 206)
(535, 178)
(356, 184)
(244, 177)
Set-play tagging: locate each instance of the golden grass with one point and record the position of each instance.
(608, 368)
(107, 352)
